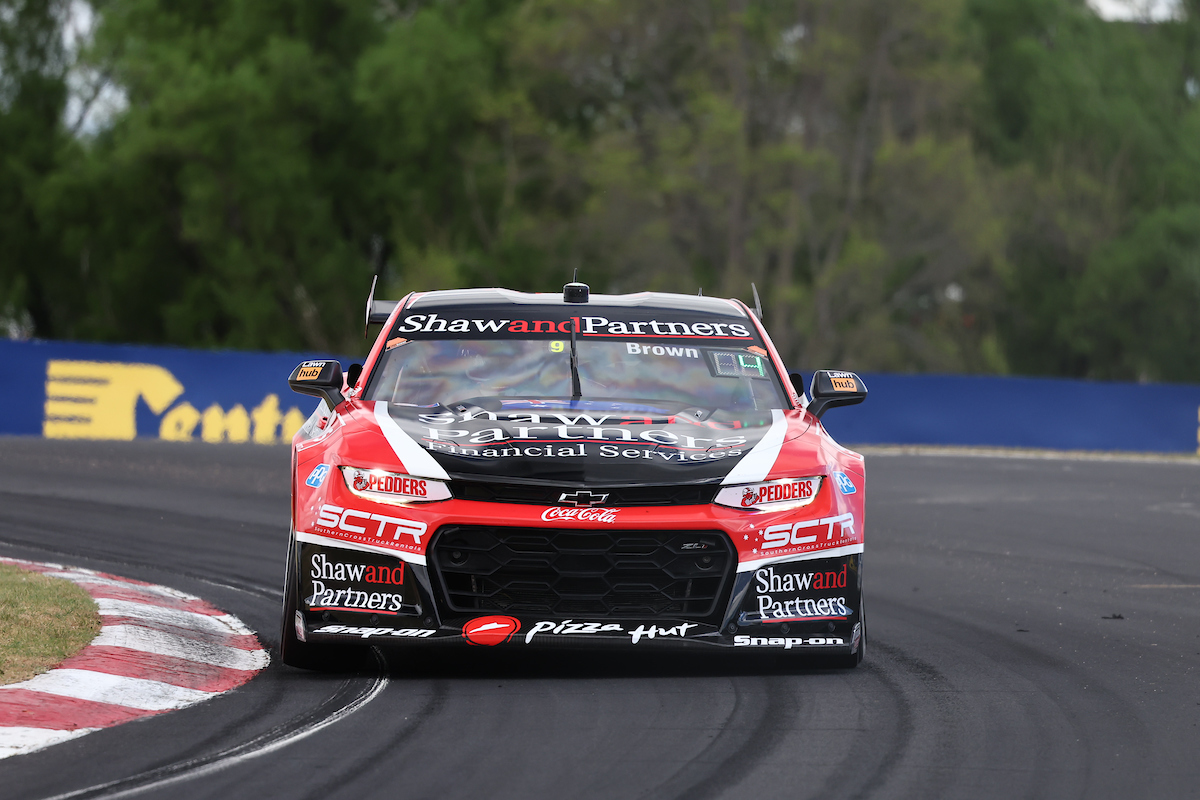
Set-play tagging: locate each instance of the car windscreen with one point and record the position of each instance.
(432, 372)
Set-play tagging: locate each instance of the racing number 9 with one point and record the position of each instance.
(556, 347)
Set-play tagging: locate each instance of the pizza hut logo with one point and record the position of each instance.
(490, 631)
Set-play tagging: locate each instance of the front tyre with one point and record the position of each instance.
(306, 655)
(852, 660)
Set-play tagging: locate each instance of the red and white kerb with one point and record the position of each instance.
(158, 650)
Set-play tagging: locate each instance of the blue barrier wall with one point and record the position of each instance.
(1021, 412)
(96, 391)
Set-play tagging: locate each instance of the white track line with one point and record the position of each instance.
(259, 746)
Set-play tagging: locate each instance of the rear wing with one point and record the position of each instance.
(378, 311)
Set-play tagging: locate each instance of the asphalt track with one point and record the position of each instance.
(995, 666)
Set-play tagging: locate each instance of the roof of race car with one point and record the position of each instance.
(648, 300)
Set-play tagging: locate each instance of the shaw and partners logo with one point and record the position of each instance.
(350, 586)
(99, 400)
(585, 326)
(779, 595)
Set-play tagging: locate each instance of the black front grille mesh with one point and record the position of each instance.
(618, 496)
(591, 573)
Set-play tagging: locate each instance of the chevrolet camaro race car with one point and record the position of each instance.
(521, 470)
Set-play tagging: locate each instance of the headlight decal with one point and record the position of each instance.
(390, 487)
(772, 495)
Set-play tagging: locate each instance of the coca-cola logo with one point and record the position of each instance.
(580, 514)
(490, 631)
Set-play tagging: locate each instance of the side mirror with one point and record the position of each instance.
(353, 374)
(320, 379)
(829, 389)
(797, 383)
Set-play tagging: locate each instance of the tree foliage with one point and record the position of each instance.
(33, 71)
(928, 185)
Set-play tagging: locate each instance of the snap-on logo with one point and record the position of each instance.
(490, 630)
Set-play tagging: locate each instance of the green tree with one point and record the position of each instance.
(231, 204)
(1097, 123)
(721, 143)
(950, 185)
(33, 72)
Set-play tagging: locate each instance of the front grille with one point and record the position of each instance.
(618, 496)
(583, 573)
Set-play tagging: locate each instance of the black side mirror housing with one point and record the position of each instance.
(830, 388)
(353, 374)
(797, 383)
(319, 379)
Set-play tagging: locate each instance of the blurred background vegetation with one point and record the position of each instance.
(993, 186)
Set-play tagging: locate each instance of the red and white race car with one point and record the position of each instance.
(520, 470)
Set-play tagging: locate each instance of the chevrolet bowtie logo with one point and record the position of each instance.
(581, 499)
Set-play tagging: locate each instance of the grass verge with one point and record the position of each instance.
(42, 621)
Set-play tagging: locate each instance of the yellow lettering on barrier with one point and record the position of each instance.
(266, 418)
(263, 425)
(292, 421)
(98, 400)
(179, 424)
(217, 425)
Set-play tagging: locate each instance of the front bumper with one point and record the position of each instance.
(348, 596)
